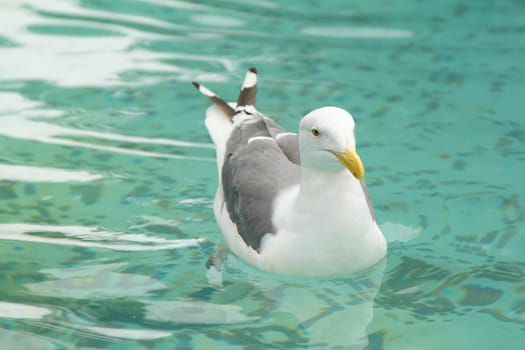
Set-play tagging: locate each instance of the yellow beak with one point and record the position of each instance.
(352, 162)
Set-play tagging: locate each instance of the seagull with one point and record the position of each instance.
(287, 203)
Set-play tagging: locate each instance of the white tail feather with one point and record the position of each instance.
(219, 127)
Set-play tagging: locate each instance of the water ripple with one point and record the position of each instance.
(62, 58)
(39, 174)
(93, 237)
(20, 340)
(357, 32)
(195, 312)
(23, 311)
(134, 334)
(94, 282)
(21, 125)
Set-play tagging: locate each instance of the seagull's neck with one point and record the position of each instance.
(333, 194)
(323, 183)
(327, 216)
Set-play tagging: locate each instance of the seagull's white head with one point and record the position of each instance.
(327, 141)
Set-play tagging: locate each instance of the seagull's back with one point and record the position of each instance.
(256, 159)
(254, 171)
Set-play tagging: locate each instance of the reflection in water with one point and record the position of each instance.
(19, 340)
(84, 236)
(17, 122)
(38, 174)
(307, 314)
(134, 334)
(281, 311)
(195, 312)
(342, 312)
(399, 232)
(357, 32)
(94, 282)
(179, 4)
(23, 311)
(63, 59)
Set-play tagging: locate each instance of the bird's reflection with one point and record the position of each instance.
(334, 312)
(283, 311)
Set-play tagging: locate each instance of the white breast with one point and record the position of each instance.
(319, 239)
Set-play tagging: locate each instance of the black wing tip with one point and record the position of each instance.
(253, 70)
(197, 85)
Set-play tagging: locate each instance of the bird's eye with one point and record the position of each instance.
(315, 132)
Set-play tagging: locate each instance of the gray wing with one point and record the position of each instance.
(253, 174)
(287, 141)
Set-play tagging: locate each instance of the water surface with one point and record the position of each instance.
(107, 174)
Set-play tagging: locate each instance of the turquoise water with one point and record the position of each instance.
(107, 174)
